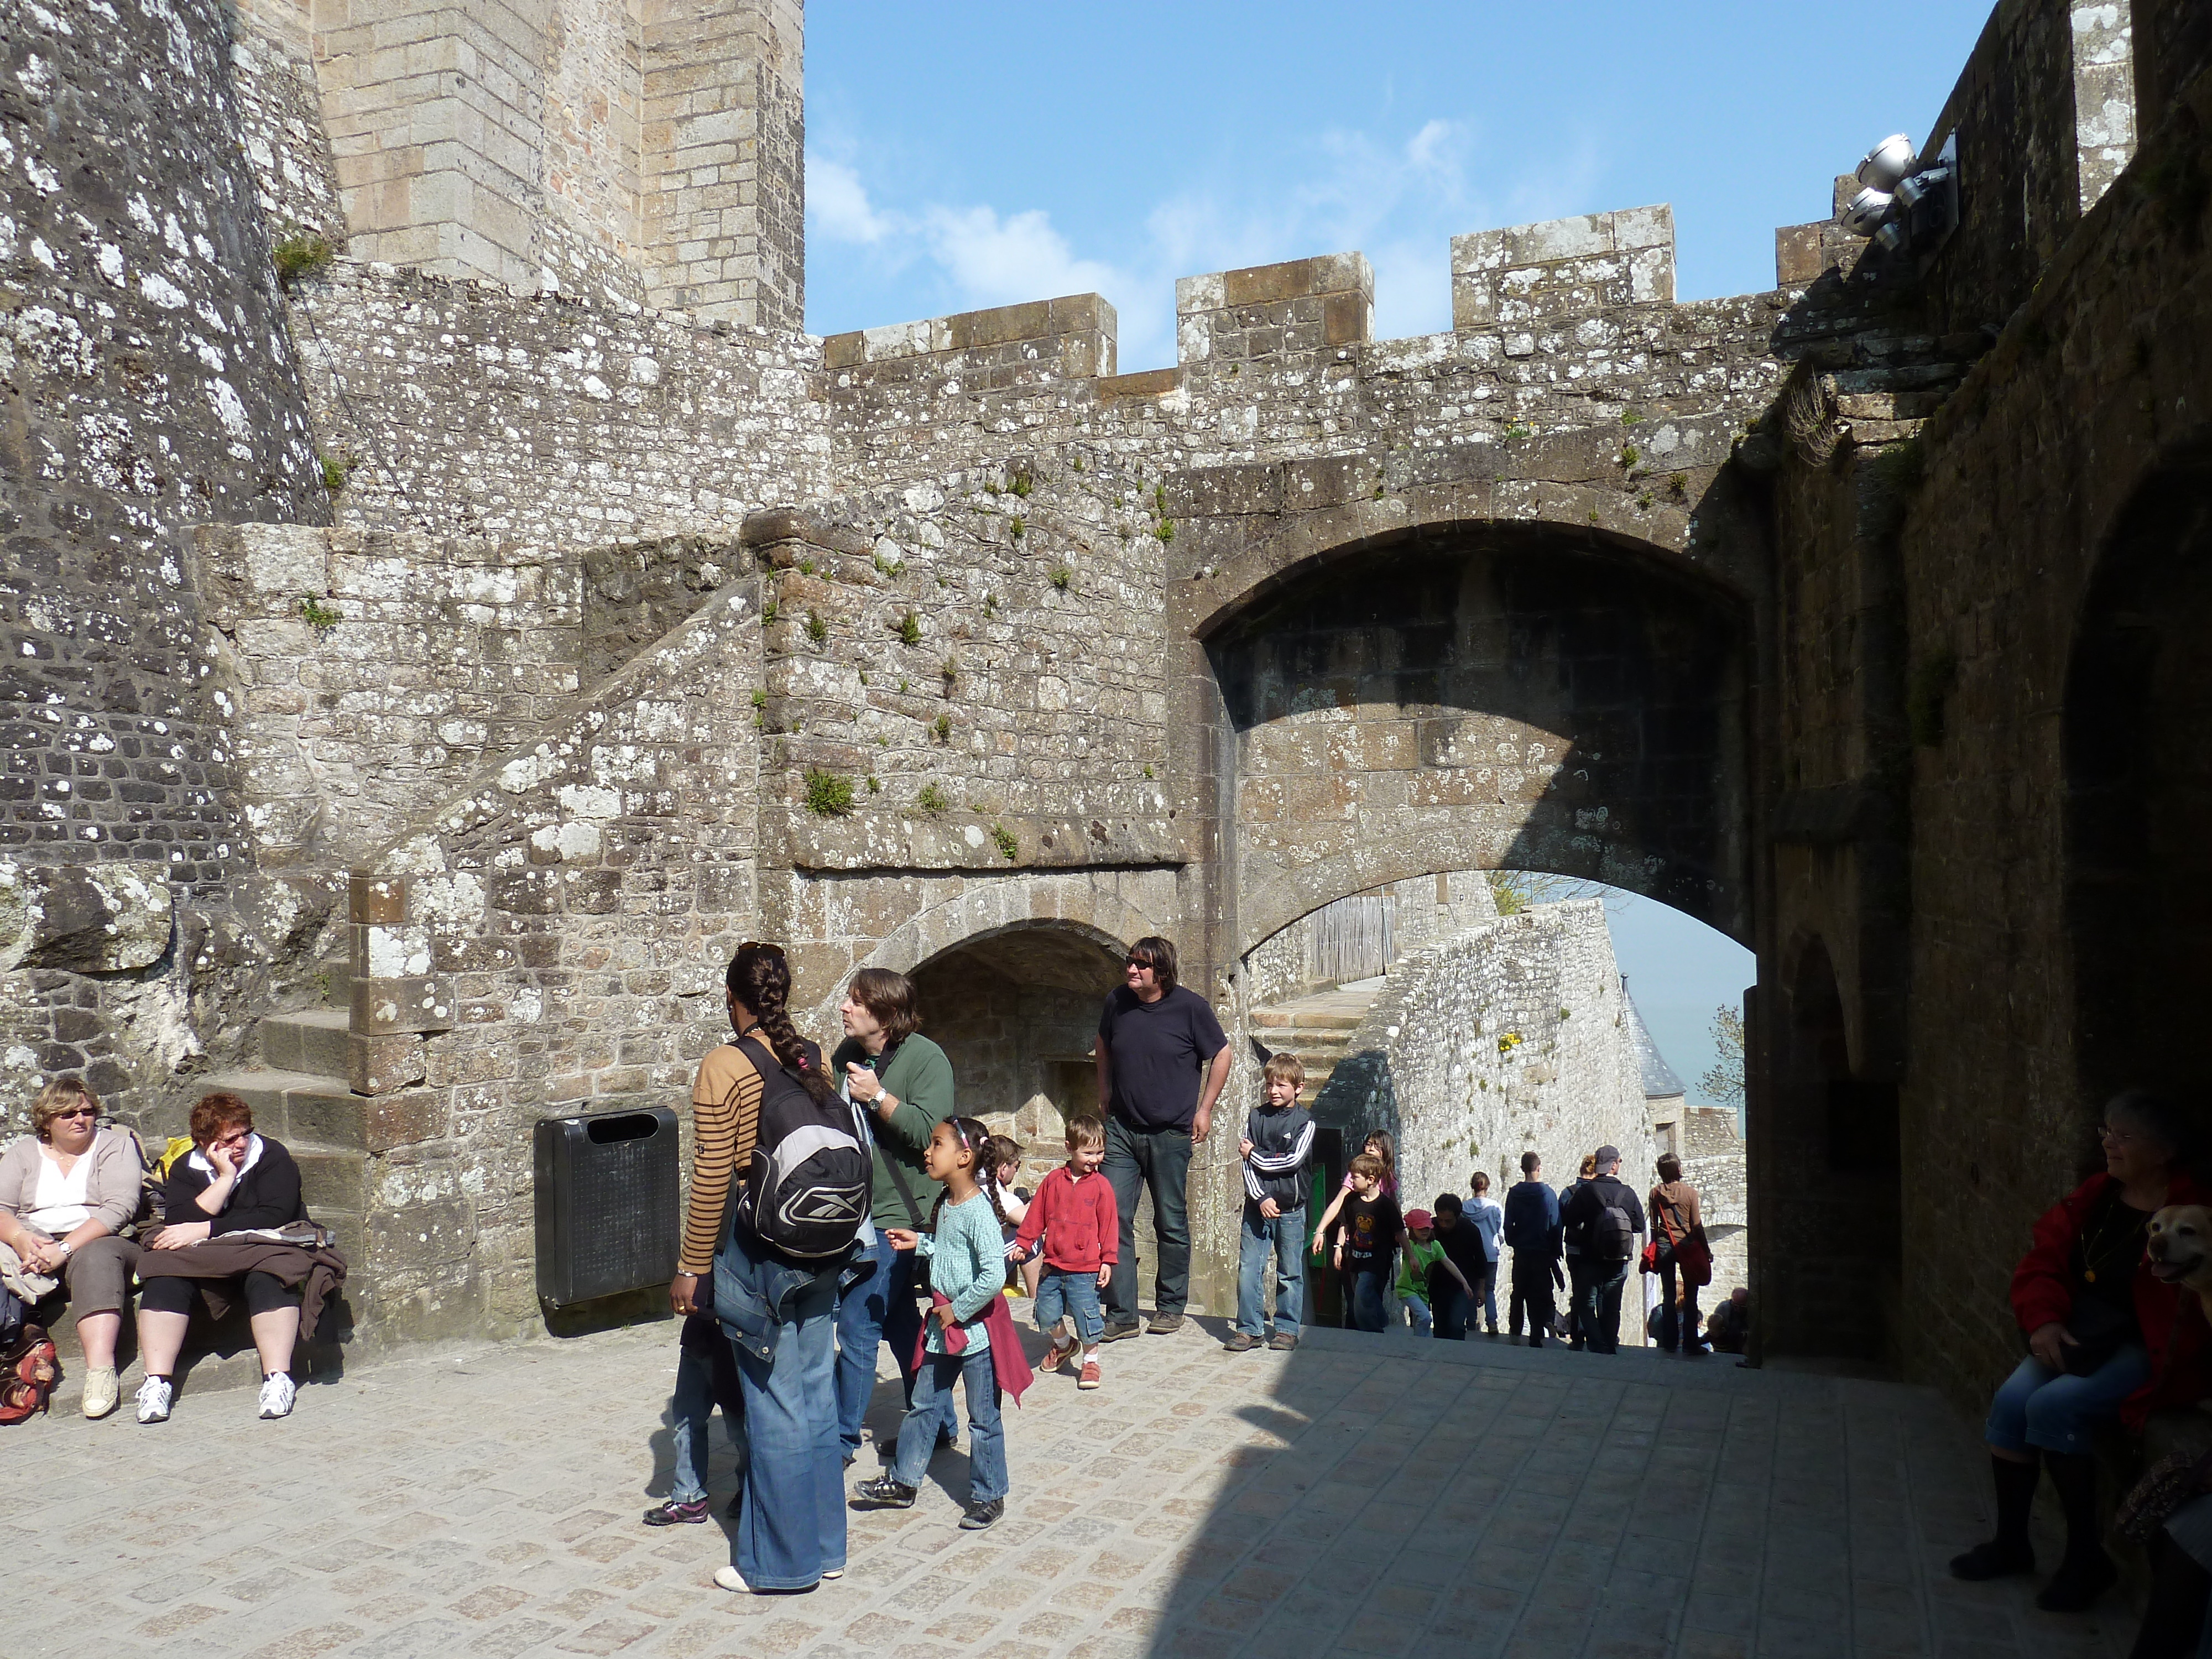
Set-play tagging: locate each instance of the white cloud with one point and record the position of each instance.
(837, 204)
(1005, 261)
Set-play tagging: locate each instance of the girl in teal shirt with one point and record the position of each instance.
(967, 1259)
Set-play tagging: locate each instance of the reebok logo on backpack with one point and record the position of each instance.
(811, 1182)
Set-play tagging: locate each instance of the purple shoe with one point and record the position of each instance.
(673, 1514)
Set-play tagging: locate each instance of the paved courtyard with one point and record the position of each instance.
(1363, 1495)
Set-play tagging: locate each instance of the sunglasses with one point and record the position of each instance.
(1140, 962)
(79, 1111)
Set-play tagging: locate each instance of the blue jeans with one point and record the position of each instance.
(987, 1435)
(1285, 1237)
(689, 1413)
(1453, 1310)
(1368, 1306)
(1416, 1309)
(1486, 1288)
(1158, 1159)
(880, 1308)
(1597, 1303)
(792, 1527)
(1075, 1294)
(2039, 1407)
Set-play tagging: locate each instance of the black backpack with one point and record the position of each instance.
(1610, 1232)
(811, 1183)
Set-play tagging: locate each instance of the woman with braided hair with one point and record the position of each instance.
(780, 1314)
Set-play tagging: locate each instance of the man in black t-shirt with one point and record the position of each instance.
(1454, 1309)
(1162, 1061)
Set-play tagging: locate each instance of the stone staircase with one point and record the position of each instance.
(1318, 1029)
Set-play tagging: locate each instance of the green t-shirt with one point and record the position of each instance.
(920, 1078)
(1423, 1257)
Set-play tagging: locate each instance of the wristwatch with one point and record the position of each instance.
(68, 1248)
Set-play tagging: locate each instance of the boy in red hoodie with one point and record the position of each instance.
(1074, 1210)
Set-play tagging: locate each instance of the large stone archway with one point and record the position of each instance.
(1504, 695)
(2138, 772)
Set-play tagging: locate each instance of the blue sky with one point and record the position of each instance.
(978, 153)
(1678, 971)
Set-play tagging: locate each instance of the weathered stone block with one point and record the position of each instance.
(418, 1003)
(380, 1065)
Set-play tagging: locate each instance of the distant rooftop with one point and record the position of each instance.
(1659, 1079)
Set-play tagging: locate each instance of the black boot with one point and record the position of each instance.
(2175, 1611)
(2009, 1552)
(2087, 1572)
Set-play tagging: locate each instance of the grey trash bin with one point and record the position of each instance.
(610, 1209)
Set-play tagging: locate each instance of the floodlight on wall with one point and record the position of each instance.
(1891, 238)
(1866, 211)
(1887, 163)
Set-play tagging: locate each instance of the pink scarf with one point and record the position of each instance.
(1008, 1363)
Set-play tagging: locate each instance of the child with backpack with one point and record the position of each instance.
(968, 1337)
(1075, 1215)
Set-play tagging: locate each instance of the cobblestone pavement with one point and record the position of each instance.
(1363, 1495)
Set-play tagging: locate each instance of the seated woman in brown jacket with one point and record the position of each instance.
(232, 1181)
(66, 1194)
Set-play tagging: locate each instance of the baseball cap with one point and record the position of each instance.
(1607, 1155)
(1418, 1218)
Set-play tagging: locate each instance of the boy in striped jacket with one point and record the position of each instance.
(1278, 1153)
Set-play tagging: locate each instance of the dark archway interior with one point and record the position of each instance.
(2138, 738)
(1549, 702)
(1016, 1011)
(1829, 1240)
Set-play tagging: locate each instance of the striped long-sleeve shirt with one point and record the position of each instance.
(1282, 1147)
(725, 1102)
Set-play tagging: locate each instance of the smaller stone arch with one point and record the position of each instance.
(1110, 907)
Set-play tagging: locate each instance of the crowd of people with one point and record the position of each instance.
(944, 1235)
(842, 1204)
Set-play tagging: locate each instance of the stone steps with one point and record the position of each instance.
(1318, 1029)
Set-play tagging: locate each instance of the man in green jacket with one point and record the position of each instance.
(903, 1082)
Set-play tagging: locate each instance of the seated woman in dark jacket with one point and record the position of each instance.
(2105, 1339)
(232, 1181)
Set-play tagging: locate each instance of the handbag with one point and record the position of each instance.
(2168, 1484)
(1649, 1264)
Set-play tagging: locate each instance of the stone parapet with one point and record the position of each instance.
(1076, 332)
(1562, 268)
(1267, 311)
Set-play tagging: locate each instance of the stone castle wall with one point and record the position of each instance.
(1512, 1038)
(621, 601)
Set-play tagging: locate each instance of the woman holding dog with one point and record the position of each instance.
(2106, 1339)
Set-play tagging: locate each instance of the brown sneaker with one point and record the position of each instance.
(1165, 1324)
(1282, 1342)
(1058, 1355)
(1089, 1376)
(1240, 1343)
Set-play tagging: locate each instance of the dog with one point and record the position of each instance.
(2181, 1250)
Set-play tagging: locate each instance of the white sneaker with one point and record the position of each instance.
(101, 1391)
(729, 1578)
(155, 1396)
(277, 1392)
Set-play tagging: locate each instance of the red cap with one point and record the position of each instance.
(1418, 1218)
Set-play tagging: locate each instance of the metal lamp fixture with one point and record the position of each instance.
(1866, 211)
(1887, 164)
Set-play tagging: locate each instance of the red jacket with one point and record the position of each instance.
(2172, 1321)
(1081, 1229)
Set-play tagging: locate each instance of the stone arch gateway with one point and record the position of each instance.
(1505, 695)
